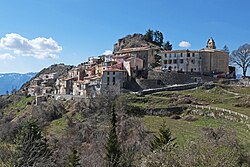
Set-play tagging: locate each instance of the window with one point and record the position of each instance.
(169, 61)
(113, 80)
(165, 55)
(193, 61)
(193, 55)
(188, 54)
(113, 73)
(175, 61)
(165, 62)
(170, 55)
(107, 73)
(181, 61)
(107, 80)
(181, 55)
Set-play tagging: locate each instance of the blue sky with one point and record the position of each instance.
(71, 30)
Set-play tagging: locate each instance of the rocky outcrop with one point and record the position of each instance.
(132, 41)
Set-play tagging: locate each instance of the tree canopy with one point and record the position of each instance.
(167, 46)
(155, 37)
(164, 138)
(241, 57)
(32, 147)
(113, 152)
(225, 48)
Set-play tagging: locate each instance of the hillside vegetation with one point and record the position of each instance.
(84, 125)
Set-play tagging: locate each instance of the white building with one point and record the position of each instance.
(181, 60)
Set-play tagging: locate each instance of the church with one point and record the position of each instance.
(206, 61)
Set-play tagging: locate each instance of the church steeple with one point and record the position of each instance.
(211, 44)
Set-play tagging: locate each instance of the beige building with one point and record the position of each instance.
(114, 78)
(147, 54)
(205, 61)
(133, 65)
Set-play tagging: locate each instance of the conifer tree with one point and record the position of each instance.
(112, 146)
(31, 146)
(167, 46)
(73, 159)
(225, 48)
(164, 138)
(149, 36)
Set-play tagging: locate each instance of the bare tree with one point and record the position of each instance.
(241, 57)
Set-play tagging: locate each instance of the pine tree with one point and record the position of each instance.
(164, 139)
(149, 35)
(167, 46)
(31, 146)
(158, 38)
(112, 146)
(73, 159)
(225, 48)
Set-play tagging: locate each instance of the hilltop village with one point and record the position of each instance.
(134, 68)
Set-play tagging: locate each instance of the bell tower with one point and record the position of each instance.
(211, 44)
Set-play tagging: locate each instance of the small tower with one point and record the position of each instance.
(211, 44)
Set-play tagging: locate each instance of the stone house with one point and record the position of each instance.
(114, 79)
(133, 65)
(89, 87)
(147, 54)
(64, 86)
(77, 72)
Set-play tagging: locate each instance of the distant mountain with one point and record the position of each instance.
(60, 69)
(10, 81)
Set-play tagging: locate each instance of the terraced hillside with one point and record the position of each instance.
(85, 125)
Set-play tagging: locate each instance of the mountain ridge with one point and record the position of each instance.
(11, 81)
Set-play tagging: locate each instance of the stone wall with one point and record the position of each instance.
(170, 88)
(171, 78)
(149, 83)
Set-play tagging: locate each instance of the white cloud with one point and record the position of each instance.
(41, 48)
(107, 52)
(6, 56)
(184, 44)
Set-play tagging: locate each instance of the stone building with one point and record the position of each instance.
(208, 60)
(133, 66)
(114, 79)
(181, 61)
(147, 54)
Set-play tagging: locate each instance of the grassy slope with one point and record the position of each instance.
(182, 130)
(216, 97)
(186, 131)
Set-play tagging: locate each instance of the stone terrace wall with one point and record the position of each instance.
(171, 78)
